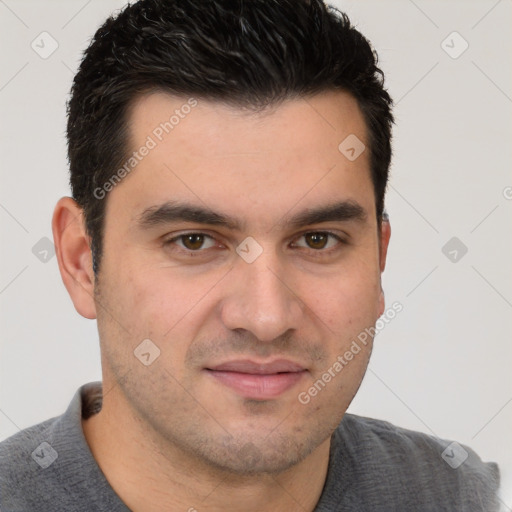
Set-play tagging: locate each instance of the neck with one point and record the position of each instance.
(152, 475)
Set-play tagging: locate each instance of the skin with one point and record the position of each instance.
(170, 436)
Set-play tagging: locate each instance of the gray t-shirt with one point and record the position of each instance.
(374, 466)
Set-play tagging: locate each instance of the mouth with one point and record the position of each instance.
(258, 381)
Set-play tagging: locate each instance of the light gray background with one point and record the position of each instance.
(443, 365)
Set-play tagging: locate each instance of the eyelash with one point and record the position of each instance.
(315, 252)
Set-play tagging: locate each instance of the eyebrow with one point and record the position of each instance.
(172, 211)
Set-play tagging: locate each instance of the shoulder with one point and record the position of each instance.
(413, 467)
(48, 466)
(23, 457)
(14, 449)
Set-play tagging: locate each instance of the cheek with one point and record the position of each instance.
(164, 305)
(347, 302)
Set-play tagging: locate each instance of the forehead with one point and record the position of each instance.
(235, 160)
(303, 123)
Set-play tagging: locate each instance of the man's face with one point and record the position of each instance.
(244, 327)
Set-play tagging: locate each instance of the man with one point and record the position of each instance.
(227, 230)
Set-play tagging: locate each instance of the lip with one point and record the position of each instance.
(258, 381)
(255, 368)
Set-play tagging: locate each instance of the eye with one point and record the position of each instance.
(320, 240)
(193, 242)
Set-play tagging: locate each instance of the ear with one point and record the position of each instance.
(385, 234)
(74, 255)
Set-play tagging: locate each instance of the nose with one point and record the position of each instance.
(261, 299)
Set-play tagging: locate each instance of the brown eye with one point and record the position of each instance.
(317, 240)
(192, 241)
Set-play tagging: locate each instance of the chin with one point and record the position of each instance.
(267, 455)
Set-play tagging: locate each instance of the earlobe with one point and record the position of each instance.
(74, 255)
